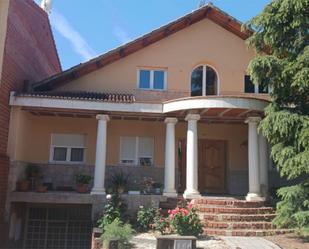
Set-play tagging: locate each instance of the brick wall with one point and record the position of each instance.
(29, 54)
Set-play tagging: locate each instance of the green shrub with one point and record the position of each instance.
(117, 230)
(115, 208)
(146, 217)
(185, 221)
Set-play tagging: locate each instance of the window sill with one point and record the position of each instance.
(153, 90)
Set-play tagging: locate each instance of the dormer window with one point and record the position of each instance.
(204, 81)
(152, 79)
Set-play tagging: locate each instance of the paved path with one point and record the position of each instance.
(148, 241)
(248, 243)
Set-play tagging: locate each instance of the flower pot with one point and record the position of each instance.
(120, 190)
(23, 186)
(41, 189)
(82, 188)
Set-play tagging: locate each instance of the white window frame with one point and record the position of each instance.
(204, 79)
(136, 156)
(151, 70)
(69, 148)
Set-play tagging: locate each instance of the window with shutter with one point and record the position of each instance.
(136, 151)
(67, 148)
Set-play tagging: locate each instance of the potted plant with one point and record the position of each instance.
(157, 187)
(147, 184)
(82, 183)
(32, 171)
(23, 185)
(119, 182)
(40, 187)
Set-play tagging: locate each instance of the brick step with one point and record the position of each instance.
(236, 217)
(261, 225)
(210, 231)
(229, 202)
(234, 210)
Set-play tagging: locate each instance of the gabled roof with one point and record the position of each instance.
(209, 11)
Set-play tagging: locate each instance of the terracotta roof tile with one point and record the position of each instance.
(82, 95)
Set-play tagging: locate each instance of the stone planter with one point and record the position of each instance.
(157, 191)
(134, 192)
(176, 242)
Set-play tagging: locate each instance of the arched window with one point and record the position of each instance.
(204, 81)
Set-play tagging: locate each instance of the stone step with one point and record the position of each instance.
(228, 202)
(263, 232)
(237, 217)
(260, 225)
(234, 210)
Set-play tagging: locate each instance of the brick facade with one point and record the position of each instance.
(29, 55)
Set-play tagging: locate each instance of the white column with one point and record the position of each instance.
(192, 158)
(169, 170)
(100, 157)
(263, 159)
(253, 158)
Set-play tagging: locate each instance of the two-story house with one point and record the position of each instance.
(175, 104)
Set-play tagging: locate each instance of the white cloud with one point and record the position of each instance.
(80, 45)
(121, 34)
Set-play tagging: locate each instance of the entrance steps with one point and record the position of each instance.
(229, 216)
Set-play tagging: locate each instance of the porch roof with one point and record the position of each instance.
(81, 95)
(211, 108)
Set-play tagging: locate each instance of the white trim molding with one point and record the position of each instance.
(214, 102)
(200, 102)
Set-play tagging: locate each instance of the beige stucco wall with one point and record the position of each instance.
(203, 42)
(31, 141)
(4, 7)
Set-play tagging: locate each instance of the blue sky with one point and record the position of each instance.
(85, 29)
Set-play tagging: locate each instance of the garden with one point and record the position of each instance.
(116, 225)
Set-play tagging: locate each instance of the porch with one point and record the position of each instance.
(199, 145)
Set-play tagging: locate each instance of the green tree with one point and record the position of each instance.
(281, 39)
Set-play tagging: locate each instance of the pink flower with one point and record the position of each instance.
(190, 205)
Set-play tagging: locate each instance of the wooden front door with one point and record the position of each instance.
(211, 165)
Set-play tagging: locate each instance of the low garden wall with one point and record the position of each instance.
(62, 176)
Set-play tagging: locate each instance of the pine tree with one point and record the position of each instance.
(281, 41)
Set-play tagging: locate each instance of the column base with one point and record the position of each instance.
(170, 193)
(254, 197)
(192, 194)
(98, 191)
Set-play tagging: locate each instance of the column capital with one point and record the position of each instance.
(170, 120)
(192, 117)
(253, 119)
(102, 117)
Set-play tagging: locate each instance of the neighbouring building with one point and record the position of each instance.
(175, 104)
(27, 54)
